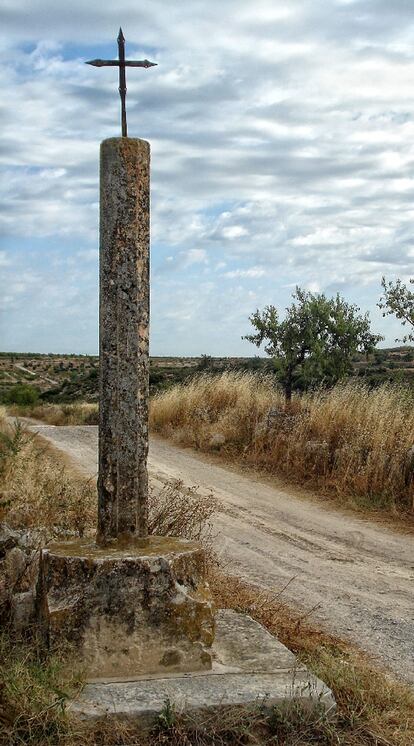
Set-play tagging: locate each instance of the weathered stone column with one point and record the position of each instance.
(124, 335)
(131, 604)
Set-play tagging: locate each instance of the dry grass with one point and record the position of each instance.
(347, 441)
(33, 694)
(178, 511)
(37, 491)
(78, 413)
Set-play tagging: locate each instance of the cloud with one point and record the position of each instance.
(195, 256)
(234, 231)
(252, 272)
(282, 141)
(5, 261)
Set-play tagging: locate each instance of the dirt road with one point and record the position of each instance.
(360, 575)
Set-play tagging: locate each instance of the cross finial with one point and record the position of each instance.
(122, 63)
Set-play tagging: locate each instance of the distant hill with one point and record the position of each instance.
(71, 377)
(68, 378)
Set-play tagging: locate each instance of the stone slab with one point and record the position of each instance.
(250, 668)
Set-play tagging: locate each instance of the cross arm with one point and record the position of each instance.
(117, 63)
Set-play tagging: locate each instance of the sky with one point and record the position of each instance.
(282, 147)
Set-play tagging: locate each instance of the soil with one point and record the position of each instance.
(355, 574)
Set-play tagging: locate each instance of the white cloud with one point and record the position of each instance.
(195, 256)
(89, 255)
(252, 272)
(235, 231)
(4, 259)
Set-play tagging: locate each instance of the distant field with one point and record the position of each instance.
(51, 375)
(66, 378)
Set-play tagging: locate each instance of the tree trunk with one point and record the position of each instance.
(288, 391)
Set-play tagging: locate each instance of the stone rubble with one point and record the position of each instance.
(19, 569)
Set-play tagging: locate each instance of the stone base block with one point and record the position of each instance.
(251, 668)
(128, 609)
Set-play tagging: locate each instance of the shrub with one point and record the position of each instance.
(23, 395)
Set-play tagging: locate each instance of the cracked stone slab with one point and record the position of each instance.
(250, 668)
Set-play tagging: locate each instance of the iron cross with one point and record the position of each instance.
(122, 63)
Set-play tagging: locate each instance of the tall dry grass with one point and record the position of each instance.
(38, 491)
(348, 441)
(78, 413)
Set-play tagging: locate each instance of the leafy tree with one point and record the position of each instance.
(398, 300)
(316, 340)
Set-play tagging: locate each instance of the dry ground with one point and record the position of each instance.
(357, 576)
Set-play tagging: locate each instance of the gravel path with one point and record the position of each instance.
(359, 574)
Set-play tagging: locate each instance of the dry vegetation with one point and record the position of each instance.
(351, 441)
(348, 441)
(37, 491)
(373, 710)
(78, 413)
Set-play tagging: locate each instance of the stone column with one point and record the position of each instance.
(124, 338)
(130, 607)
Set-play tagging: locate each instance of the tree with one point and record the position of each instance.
(316, 340)
(398, 300)
(205, 363)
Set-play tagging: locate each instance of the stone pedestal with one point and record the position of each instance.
(129, 609)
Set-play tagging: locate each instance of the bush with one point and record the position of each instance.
(23, 395)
